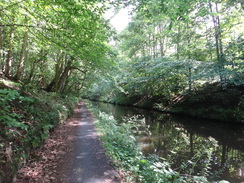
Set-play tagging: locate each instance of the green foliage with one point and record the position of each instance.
(121, 146)
(25, 122)
(9, 117)
(44, 42)
(149, 82)
(169, 49)
(226, 104)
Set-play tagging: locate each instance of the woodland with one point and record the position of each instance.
(177, 56)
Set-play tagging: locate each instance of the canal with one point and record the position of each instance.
(192, 146)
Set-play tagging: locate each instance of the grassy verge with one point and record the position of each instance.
(26, 119)
(122, 148)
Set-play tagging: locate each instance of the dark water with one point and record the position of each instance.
(192, 146)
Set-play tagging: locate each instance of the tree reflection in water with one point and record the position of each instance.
(192, 146)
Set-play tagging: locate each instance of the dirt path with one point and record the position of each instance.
(72, 154)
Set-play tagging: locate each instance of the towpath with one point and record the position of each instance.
(72, 154)
(90, 162)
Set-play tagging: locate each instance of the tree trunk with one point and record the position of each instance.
(162, 41)
(33, 67)
(8, 63)
(210, 48)
(59, 72)
(162, 47)
(155, 40)
(59, 68)
(218, 39)
(190, 79)
(64, 76)
(224, 153)
(22, 57)
(178, 42)
(58, 83)
(149, 45)
(1, 49)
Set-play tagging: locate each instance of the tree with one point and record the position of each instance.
(47, 40)
(174, 46)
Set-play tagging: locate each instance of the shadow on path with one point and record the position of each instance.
(90, 164)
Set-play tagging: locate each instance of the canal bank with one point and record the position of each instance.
(210, 101)
(192, 146)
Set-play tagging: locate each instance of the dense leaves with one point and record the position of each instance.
(45, 43)
(25, 122)
(174, 47)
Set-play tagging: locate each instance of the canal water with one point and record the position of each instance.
(192, 146)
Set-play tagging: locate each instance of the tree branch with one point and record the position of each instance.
(76, 68)
(21, 25)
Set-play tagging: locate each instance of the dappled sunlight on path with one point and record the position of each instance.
(72, 154)
(90, 162)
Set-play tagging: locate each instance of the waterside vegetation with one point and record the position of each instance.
(119, 140)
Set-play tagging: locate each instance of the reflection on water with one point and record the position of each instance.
(193, 146)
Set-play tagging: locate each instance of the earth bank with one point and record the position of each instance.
(27, 119)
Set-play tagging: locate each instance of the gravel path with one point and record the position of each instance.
(90, 162)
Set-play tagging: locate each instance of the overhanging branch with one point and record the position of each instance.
(76, 68)
(22, 25)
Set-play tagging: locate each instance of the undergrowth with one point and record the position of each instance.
(121, 147)
(26, 119)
